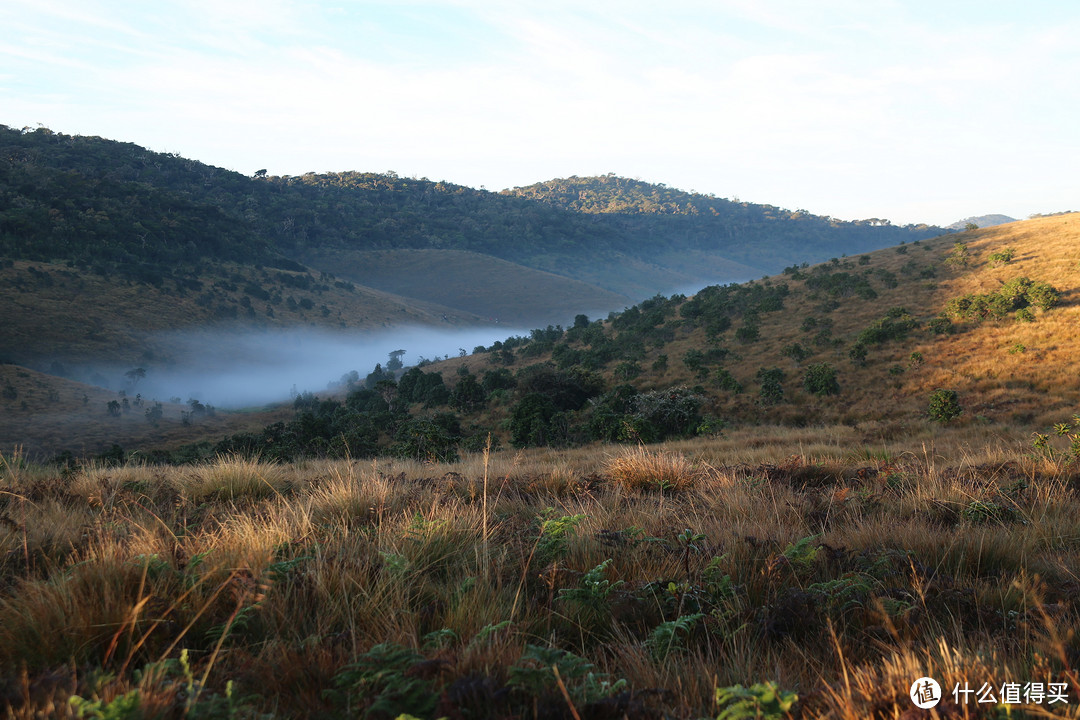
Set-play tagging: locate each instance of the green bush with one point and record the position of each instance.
(944, 406)
(1002, 257)
(941, 326)
(796, 352)
(772, 388)
(727, 382)
(536, 421)
(820, 379)
(1015, 295)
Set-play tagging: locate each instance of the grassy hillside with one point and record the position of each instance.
(470, 282)
(57, 313)
(43, 415)
(1005, 370)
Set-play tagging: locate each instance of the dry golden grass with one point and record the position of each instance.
(231, 478)
(837, 570)
(644, 469)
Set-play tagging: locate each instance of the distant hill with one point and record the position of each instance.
(982, 221)
(665, 220)
(113, 207)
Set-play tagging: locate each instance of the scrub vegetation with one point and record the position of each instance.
(650, 581)
(790, 497)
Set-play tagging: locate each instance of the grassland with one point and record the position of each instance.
(477, 284)
(1004, 370)
(55, 312)
(548, 583)
(46, 415)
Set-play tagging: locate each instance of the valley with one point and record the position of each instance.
(414, 450)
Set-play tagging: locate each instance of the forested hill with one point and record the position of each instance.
(115, 207)
(763, 236)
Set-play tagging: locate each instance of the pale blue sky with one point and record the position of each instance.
(920, 111)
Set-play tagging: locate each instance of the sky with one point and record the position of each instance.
(911, 110)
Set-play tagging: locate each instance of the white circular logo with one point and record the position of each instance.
(925, 692)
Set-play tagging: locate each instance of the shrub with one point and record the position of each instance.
(535, 420)
(432, 439)
(796, 352)
(694, 360)
(894, 325)
(772, 388)
(658, 414)
(1002, 257)
(960, 256)
(820, 379)
(727, 382)
(941, 326)
(1015, 295)
(748, 333)
(944, 406)
(857, 354)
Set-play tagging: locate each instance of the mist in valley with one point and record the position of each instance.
(246, 368)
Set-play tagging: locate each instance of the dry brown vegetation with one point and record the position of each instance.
(837, 570)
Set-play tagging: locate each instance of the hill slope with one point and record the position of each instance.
(863, 342)
(894, 325)
(115, 207)
(469, 282)
(55, 313)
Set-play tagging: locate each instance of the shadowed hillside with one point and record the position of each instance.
(470, 282)
(113, 207)
(56, 313)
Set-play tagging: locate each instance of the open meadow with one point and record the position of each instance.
(768, 572)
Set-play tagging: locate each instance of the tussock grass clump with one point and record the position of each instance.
(233, 477)
(643, 469)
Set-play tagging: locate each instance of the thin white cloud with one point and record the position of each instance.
(848, 108)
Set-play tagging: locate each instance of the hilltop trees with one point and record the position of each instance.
(117, 208)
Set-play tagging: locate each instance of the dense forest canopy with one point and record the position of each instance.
(116, 207)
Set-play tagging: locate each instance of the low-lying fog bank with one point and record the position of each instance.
(244, 368)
